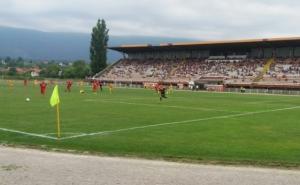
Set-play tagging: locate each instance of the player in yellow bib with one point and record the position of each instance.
(110, 87)
(81, 89)
(170, 89)
(10, 84)
(36, 82)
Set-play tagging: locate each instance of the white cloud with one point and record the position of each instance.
(199, 19)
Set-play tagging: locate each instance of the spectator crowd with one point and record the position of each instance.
(237, 70)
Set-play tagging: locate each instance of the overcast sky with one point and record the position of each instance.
(197, 19)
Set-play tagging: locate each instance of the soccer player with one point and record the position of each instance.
(43, 87)
(242, 89)
(95, 86)
(69, 85)
(36, 82)
(170, 89)
(156, 88)
(100, 85)
(10, 84)
(25, 82)
(110, 87)
(162, 92)
(80, 84)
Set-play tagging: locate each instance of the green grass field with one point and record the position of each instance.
(188, 126)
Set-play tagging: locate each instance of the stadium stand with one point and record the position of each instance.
(231, 63)
(182, 70)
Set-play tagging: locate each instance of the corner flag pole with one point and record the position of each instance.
(58, 120)
(55, 101)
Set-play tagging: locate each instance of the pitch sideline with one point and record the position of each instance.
(28, 133)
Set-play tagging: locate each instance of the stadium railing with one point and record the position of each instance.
(264, 91)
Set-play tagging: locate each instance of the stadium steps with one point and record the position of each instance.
(106, 69)
(266, 68)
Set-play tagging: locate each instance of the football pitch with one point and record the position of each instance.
(188, 126)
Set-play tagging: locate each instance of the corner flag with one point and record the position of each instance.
(54, 101)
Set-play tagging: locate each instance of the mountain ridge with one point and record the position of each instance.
(40, 45)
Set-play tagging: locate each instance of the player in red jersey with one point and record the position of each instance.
(95, 86)
(156, 88)
(162, 92)
(43, 87)
(69, 85)
(25, 82)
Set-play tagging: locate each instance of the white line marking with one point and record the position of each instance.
(28, 133)
(260, 102)
(65, 133)
(155, 105)
(179, 122)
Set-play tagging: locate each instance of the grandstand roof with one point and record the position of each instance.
(247, 43)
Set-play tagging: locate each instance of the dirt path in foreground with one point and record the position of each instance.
(34, 167)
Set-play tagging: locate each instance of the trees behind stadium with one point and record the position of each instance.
(98, 47)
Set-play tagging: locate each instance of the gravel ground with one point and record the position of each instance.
(34, 167)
